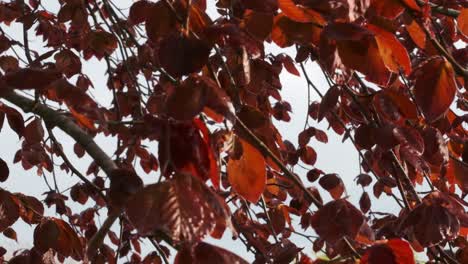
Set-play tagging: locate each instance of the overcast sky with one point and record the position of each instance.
(333, 157)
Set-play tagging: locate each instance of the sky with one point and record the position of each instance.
(333, 157)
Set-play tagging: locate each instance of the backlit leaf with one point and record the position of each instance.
(435, 88)
(300, 13)
(393, 251)
(337, 219)
(247, 175)
(184, 208)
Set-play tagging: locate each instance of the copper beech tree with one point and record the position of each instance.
(204, 92)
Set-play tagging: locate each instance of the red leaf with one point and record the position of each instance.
(333, 184)
(161, 22)
(31, 78)
(287, 32)
(247, 175)
(329, 101)
(308, 155)
(14, 118)
(10, 210)
(33, 132)
(183, 207)
(394, 251)
(457, 172)
(68, 63)
(438, 212)
(435, 88)
(300, 13)
(31, 209)
(99, 43)
(337, 219)
(392, 8)
(392, 52)
(358, 50)
(204, 253)
(364, 180)
(56, 234)
(259, 24)
(288, 63)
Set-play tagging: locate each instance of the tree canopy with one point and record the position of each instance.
(196, 102)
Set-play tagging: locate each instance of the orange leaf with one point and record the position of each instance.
(82, 119)
(247, 175)
(462, 21)
(417, 34)
(299, 13)
(393, 53)
(435, 88)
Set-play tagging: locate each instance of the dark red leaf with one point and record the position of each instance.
(337, 219)
(31, 78)
(4, 170)
(365, 202)
(203, 253)
(329, 101)
(181, 55)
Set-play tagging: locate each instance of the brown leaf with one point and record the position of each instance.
(184, 208)
(435, 88)
(247, 175)
(10, 233)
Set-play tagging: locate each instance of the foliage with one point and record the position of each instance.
(206, 91)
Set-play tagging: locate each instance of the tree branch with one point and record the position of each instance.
(54, 118)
